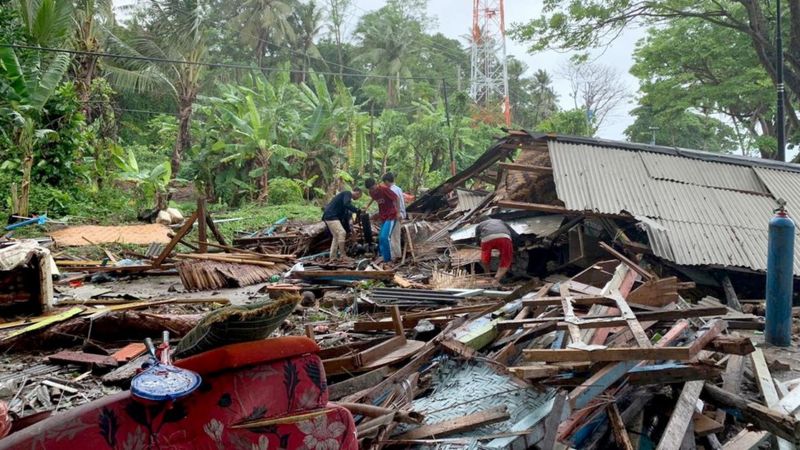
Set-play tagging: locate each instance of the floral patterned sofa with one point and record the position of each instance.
(268, 394)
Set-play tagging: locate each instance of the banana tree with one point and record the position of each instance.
(25, 88)
(334, 132)
(259, 120)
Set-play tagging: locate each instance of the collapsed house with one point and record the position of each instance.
(687, 209)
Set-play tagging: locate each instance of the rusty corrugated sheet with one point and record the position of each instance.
(695, 212)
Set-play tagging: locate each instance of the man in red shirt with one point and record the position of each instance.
(388, 211)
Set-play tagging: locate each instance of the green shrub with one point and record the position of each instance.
(284, 191)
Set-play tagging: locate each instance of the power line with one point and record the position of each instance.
(201, 63)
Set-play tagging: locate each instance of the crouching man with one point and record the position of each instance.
(494, 234)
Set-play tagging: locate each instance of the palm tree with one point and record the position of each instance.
(387, 37)
(89, 18)
(543, 96)
(264, 23)
(25, 88)
(307, 20)
(178, 33)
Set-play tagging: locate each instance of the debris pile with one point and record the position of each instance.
(620, 324)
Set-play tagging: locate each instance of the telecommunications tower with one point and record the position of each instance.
(489, 73)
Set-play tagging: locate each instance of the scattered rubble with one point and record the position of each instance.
(622, 325)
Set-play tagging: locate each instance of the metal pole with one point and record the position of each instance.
(780, 119)
(449, 129)
(371, 137)
(780, 279)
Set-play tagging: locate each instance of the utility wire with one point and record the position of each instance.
(200, 63)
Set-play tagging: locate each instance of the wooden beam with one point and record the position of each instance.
(183, 231)
(451, 426)
(615, 321)
(553, 209)
(359, 274)
(731, 380)
(627, 261)
(202, 232)
(378, 411)
(525, 168)
(609, 354)
(681, 417)
(610, 374)
(783, 425)
(730, 293)
(618, 427)
(746, 440)
(215, 231)
(766, 384)
(357, 383)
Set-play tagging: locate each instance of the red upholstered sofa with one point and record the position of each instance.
(268, 394)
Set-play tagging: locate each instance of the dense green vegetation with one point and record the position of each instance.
(258, 103)
(252, 101)
(706, 67)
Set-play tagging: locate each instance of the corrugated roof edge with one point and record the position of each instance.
(675, 151)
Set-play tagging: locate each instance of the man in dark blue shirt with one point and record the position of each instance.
(337, 216)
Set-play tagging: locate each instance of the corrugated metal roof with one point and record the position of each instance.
(695, 212)
(468, 200)
(782, 184)
(702, 173)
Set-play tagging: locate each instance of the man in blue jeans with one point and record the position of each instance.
(388, 212)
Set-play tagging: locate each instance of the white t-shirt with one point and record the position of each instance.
(399, 193)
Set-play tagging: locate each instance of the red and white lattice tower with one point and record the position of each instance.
(489, 72)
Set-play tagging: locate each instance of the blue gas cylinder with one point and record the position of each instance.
(780, 273)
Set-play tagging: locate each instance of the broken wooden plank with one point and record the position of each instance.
(746, 440)
(605, 377)
(732, 345)
(535, 372)
(646, 316)
(49, 320)
(377, 411)
(609, 354)
(129, 352)
(657, 292)
(183, 231)
(731, 381)
(525, 167)
(354, 274)
(704, 425)
(122, 374)
(60, 387)
(681, 417)
(618, 427)
(83, 359)
(452, 426)
(730, 293)
(627, 261)
(766, 385)
(357, 383)
(783, 425)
